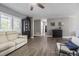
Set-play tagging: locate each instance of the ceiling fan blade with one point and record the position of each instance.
(40, 5)
(31, 8)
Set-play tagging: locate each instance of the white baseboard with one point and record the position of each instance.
(62, 37)
(37, 34)
(49, 35)
(32, 37)
(67, 36)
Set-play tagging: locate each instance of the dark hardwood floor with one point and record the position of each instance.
(39, 46)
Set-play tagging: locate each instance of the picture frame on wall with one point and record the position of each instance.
(52, 23)
(60, 23)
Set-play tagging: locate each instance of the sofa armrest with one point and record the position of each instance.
(61, 45)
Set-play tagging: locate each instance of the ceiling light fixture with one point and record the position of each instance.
(38, 4)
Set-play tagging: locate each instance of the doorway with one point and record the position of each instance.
(43, 27)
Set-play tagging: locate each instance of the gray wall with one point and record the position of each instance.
(37, 27)
(70, 25)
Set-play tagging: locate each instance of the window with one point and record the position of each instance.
(16, 24)
(9, 23)
(6, 24)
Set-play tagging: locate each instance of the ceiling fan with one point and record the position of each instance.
(38, 4)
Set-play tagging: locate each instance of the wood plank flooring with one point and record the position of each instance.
(39, 46)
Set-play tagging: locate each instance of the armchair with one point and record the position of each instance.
(62, 49)
(71, 49)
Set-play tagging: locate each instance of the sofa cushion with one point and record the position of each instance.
(12, 36)
(3, 37)
(6, 45)
(19, 40)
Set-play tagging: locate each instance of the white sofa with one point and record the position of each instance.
(62, 47)
(10, 41)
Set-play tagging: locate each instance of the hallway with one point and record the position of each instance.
(39, 46)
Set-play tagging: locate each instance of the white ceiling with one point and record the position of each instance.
(51, 9)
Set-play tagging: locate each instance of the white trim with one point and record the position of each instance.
(62, 37)
(37, 34)
(49, 35)
(67, 37)
(32, 37)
